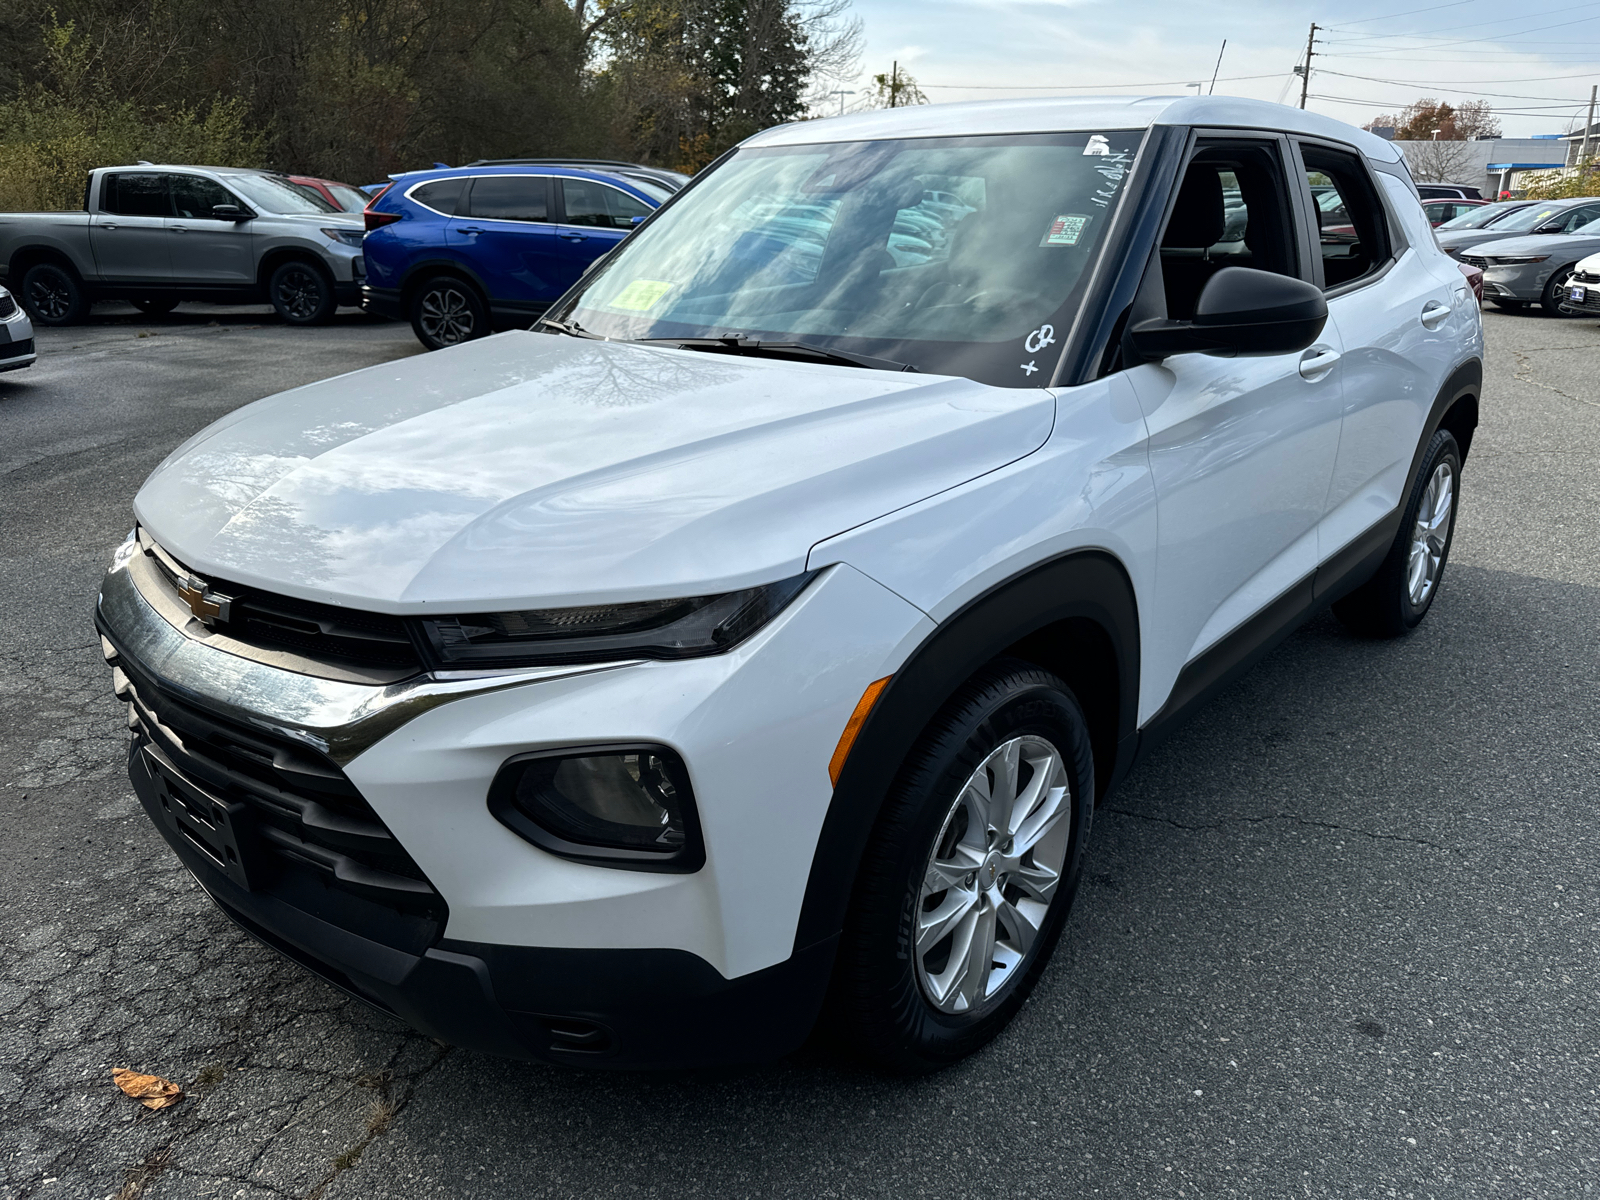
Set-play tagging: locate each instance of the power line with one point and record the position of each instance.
(1520, 110)
(1444, 87)
(1078, 87)
(1408, 12)
(1367, 37)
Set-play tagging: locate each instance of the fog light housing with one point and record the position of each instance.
(618, 806)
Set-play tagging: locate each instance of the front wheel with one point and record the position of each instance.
(53, 296)
(446, 311)
(971, 869)
(302, 294)
(1395, 600)
(1555, 292)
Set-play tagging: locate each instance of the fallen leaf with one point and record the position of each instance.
(152, 1091)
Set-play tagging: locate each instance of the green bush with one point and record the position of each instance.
(1560, 185)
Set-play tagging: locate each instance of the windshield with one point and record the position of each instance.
(349, 198)
(274, 195)
(1527, 218)
(959, 256)
(1477, 218)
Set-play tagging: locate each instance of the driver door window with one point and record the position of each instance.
(1241, 449)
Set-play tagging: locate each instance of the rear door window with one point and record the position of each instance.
(441, 195)
(598, 204)
(510, 198)
(135, 194)
(1351, 225)
(194, 196)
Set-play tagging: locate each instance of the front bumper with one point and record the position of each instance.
(527, 954)
(1523, 281)
(17, 349)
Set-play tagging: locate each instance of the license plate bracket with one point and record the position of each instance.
(223, 831)
(1579, 295)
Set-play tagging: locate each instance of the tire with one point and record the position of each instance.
(302, 293)
(446, 311)
(902, 993)
(1394, 601)
(1555, 289)
(154, 306)
(52, 295)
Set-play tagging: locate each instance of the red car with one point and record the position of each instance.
(342, 196)
(1474, 279)
(1440, 211)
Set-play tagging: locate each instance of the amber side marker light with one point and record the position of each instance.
(852, 727)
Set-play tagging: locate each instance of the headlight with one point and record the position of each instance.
(1516, 260)
(350, 237)
(685, 628)
(622, 806)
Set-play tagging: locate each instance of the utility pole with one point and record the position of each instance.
(1218, 67)
(1583, 152)
(1305, 72)
(894, 85)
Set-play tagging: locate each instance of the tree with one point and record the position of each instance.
(1422, 119)
(897, 89)
(1438, 161)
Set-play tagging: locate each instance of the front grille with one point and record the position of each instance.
(310, 829)
(323, 632)
(7, 305)
(1475, 260)
(1586, 277)
(16, 349)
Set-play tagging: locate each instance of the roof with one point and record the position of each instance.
(1074, 114)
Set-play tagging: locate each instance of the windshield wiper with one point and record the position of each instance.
(570, 328)
(742, 345)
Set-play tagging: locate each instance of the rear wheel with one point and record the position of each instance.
(970, 872)
(152, 306)
(1395, 600)
(53, 296)
(1555, 292)
(446, 311)
(302, 293)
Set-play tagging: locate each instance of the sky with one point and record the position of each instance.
(1533, 60)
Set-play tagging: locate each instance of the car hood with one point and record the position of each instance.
(1461, 239)
(342, 220)
(530, 469)
(1564, 244)
(1590, 265)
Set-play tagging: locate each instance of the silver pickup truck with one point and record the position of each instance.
(157, 235)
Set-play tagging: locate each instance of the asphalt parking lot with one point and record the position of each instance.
(1338, 938)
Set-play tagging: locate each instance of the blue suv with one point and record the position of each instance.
(460, 252)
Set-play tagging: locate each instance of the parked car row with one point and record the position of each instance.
(489, 245)
(1527, 250)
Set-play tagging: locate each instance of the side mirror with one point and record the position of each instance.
(636, 221)
(229, 212)
(1556, 228)
(1241, 311)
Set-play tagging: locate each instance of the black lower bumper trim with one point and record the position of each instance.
(384, 302)
(620, 1009)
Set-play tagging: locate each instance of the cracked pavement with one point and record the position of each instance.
(1337, 938)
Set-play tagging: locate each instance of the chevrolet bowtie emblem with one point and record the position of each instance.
(206, 605)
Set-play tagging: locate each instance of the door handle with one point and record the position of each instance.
(178, 228)
(469, 229)
(1317, 362)
(107, 225)
(1433, 312)
(575, 237)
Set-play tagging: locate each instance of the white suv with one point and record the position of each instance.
(758, 634)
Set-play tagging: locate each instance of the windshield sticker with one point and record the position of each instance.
(1114, 169)
(641, 295)
(1065, 231)
(1097, 144)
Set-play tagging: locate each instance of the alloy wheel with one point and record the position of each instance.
(1431, 534)
(992, 874)
(48, 296)
(300, 293)
(445, 315)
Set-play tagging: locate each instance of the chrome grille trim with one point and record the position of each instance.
(333, 717)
